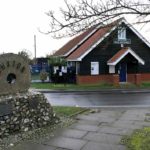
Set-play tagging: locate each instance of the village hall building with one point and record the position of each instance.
(114, 53)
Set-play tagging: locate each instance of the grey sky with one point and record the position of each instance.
(19, 20)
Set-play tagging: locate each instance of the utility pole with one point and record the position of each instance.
(35, 47)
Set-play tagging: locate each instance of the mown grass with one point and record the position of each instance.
(67, 111)
(70, 86)
(97, 86)
(139, 140)
(145, 85)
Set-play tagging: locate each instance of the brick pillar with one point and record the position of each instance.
(77, 79)
(137, 79)
(116, 80)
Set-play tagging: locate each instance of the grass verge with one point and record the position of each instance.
(145, 85)
(67, 111)
(53, 86)
(68, 87)
(139, 140)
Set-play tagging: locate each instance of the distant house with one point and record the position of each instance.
(113, 53)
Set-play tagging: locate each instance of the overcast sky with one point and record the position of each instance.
(19, 21)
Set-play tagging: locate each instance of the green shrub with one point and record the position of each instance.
(43, 75)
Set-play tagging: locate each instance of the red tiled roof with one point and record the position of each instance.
(118, 55)
(72, 43)
(87, 42)
(100, 33)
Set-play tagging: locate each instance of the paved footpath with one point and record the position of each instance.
(100, 130)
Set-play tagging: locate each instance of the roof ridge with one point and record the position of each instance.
(96, 28)
(78, 40)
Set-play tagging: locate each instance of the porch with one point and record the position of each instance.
(125, 63)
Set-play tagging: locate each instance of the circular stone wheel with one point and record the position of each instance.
(14, 74)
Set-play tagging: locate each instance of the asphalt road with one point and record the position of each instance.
(96, 99)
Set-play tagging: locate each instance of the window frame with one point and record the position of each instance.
(121, 33)
(94, 65)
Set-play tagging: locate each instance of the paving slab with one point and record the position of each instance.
(73, 133)
(101, 146)
(115, 130)
(61, 149)
(143, 123)
(89, 122)
(103, 138)
(134, 111)
(87, 117)
(85, 127)
(68, 143)
(107, 120)
(33, 146)
(102, 130)
(126, 124)
(133, 117)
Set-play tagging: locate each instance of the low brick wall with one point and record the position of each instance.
(112, 78)
(131, 78)
(116, 80)
(87, 79)
(24, 112)
(145, 77)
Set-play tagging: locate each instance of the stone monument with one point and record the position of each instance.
(20, 108)
(14, 74)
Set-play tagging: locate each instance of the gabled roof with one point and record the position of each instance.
(121, 54)
(77, 48)
(73, 44)
(89, 44)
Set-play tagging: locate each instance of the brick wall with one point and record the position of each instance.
(131, 78)
(109, 78)
(145, 77)
(88, 79)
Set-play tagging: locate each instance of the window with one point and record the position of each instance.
(94, 68)
(111, 69)
(121, 33)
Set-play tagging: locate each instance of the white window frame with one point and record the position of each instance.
(95, 66)
(121, 33)
(111, 69)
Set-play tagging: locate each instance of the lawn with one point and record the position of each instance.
(97, 86)
(145, 84)
(67, 111)
(70, 86)
(139, 140)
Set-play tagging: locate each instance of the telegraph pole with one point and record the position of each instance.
(35, 47)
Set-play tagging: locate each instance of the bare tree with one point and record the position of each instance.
(84, 14)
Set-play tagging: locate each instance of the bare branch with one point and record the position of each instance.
(86, 13)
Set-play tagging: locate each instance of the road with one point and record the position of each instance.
(96, 99)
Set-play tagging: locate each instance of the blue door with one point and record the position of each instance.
(123, 72)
